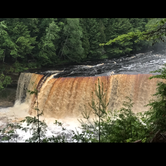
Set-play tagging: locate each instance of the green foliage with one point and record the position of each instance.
(121, 126)
(18, 67)
(154, 31)
(18, 41)
(4, 81)
(85, 38)
(99, 110)
(114, 28)
(71, 44)
(9, 132)
(157, 110)
(48, 41)
(15, 44)
(37, 127)
(126, 126)
(48, 44)
(58, 139)
(93, 36)
(124, 33)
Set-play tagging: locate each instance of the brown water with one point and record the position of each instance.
(67, 97)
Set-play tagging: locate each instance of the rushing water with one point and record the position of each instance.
(142, 63)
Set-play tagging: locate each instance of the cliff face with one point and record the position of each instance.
(68, 97)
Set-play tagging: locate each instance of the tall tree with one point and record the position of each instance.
(16, 42)
(48, 44)
(138, 24)
(4, 42)
(94, 35)
(85, 38)
(71, 47)
(114, 28)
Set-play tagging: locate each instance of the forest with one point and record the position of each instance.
(34, 43)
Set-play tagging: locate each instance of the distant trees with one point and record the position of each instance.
(94, 35)
(115, 27)
(48, 44)
(48, 41)
(154, 31)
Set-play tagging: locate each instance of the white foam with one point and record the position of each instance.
(3, 110)
(52, 129)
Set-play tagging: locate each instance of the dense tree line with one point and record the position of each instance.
(48, 41)
(153, 33)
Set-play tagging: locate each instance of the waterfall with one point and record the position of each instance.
(67, 97)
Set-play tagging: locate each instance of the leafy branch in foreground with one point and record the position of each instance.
(122, 126)
(9, 132)
(127, 127)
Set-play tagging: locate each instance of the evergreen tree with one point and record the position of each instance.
(17, 43)
(85, 39)
(48, 44)
(33, 26)
(43, 23)
(102, 29)
(114, 28)
(94, 35)
(138, 24)
(24, 43)
(159, 44)
(71, 48)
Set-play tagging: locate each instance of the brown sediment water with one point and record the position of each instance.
(67, 97)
